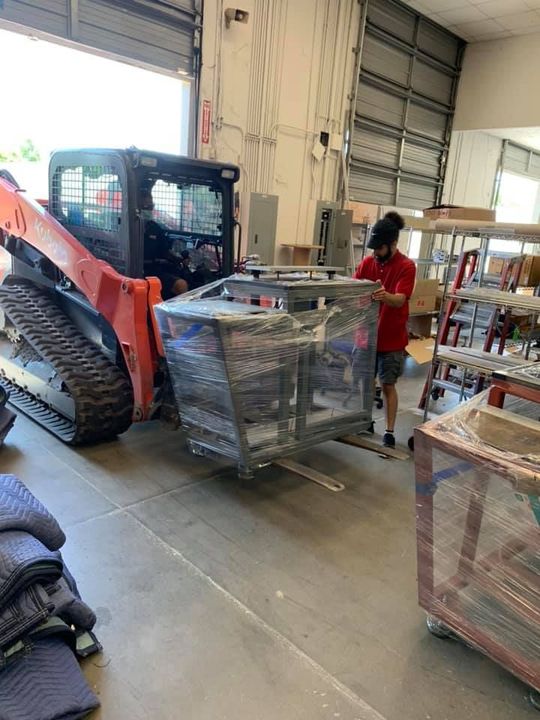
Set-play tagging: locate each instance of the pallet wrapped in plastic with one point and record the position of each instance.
(478, 529)
(256, 377)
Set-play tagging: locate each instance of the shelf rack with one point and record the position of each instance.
(483, 364)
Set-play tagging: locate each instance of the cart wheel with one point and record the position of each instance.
(371, 428)
(534, 697)
(435, 394)
(378, 404)
(410, 443)
(196, 449)
(437, 628)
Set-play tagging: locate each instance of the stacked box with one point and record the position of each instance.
(264, 369)
(478, 532)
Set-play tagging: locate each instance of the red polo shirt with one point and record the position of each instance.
(398, 275)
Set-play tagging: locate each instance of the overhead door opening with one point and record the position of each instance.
(77, 99)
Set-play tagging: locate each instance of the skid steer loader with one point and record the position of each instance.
(80, 352)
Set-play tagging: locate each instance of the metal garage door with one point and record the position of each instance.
(163, 34)
(409, 69)
(520, 160)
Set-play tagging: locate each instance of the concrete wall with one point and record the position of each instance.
(498, 84)
(274, 84)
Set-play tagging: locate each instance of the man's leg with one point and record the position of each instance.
(390, 405)
(390, 368)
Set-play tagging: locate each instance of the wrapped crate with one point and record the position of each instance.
(478, 532)
(257, 377)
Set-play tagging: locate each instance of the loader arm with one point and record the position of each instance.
(123, 301)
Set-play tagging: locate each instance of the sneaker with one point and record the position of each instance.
(389, 440)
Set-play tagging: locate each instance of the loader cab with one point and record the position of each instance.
(106, 199)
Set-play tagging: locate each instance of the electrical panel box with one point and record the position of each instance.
(258, 217)
(332, 233)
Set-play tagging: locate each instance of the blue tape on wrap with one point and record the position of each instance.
(188, 335)
(438, 477)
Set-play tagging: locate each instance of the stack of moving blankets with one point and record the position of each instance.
(44, 624)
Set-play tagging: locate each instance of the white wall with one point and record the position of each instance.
(472, 167)
(274, 84)
(498, 87)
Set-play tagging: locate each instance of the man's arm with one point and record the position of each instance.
(362, 272)
(404, 289)
(393, 299)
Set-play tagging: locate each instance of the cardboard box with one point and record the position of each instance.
(419, 326)
(364, 213)
(524, 290)
(421, 350)
(424, 297)
(530, 271)
(495, 265)
(455, 212)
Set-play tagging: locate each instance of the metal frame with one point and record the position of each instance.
(296, 297)
(442, 601)
(450, 300)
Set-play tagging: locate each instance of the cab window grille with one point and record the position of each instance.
(89, 196)
(88, 200)
(193, 209)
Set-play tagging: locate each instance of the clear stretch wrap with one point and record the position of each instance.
(478, 528)
(262, 368)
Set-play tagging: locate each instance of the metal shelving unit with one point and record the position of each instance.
(469, 359)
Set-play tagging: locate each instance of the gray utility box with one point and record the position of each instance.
(332, 233)
(258, 217)
(263, 368)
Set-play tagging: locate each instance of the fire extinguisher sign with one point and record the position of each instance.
(205, 121)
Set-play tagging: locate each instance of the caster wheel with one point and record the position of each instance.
(371, 428)
(437, 628)
(534, 697)
(196, 449)
(410, 443)
(379, 404)
(435, 394)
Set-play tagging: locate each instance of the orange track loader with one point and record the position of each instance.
(79, 347)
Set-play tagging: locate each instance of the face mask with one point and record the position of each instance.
(384, 258)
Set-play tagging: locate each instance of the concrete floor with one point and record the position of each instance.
(221, 600)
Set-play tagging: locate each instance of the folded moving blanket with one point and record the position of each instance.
(20, 510)
(29, 609)
(68, 605)
(24, 561)
(45, 684)
(43, 620)
(36, 604)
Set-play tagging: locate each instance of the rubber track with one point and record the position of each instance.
(101, 392)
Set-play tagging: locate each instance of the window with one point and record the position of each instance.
(517, 199)
(189, 208)
(517, 202)
(90, 197)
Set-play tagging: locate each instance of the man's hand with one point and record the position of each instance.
(387, 298)
(379, 295)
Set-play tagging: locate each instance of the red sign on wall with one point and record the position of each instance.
(205, 121)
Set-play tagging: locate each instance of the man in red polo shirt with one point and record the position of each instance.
(397, 275)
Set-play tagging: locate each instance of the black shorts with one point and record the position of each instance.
(389, 366)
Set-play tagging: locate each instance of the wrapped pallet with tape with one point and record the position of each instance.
(478, 529)
(265, 367)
